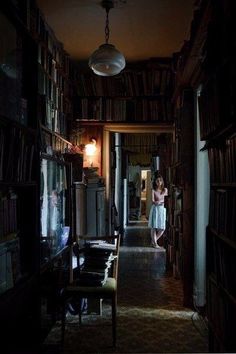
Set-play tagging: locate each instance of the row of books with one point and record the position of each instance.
(175, 175)
(175, 202)
(17, 151)
(49, 64)
(53, 143)
(8, 214)
(54, 68)
(175, 153)
(54, 104)
(175, 260)
(174, 237)
(47, 87)
(175, 178)
(175, 219)
(36, 24)
(209, 108)
(174, 206)
(46, 36)
(223, 212)
(226, 267)
(176, 150)
(222, 162)
(50, 116)
(128, 83)
(171, 253)
(217, 311)
(221, 313)
(217, 101)
(126, 109)
(53, 85)
(175, 226)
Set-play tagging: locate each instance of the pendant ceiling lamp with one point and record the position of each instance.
(107, 60)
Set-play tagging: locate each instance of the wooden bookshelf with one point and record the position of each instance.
(141, 93)
(19, 202)
(131, 109)
(35, 104)
(207, 63)
(217, 122)
(180, 201)
(55, 73)
(175, 230)
(221, 243)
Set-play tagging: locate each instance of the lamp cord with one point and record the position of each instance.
(107, 30)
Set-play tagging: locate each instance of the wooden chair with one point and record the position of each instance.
(106, 291)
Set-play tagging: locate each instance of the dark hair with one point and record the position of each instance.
(154, 185)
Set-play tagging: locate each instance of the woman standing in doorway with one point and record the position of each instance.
(157, 215)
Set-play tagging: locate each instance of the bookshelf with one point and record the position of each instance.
(35, 178)
(207, 61)
(54, 84)
(217, 102)
(175, 230)
(180, 201)
(221, 245)
(19, 188)
(142, 93)
(59, 166)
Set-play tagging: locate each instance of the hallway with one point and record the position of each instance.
(152, 298)
(151, 318)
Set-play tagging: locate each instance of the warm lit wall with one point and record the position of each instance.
(95, 131)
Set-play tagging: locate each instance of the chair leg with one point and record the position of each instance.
(63, 322)
(114, 310)
(80, 311)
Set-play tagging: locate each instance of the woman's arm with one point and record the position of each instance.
(153, 197)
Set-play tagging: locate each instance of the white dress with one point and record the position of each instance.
(157, 215)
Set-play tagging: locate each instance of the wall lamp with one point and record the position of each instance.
(90, 150)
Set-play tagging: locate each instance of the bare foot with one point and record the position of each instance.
(155, 245)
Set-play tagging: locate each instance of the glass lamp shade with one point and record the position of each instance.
(107, 60)
(90, 149)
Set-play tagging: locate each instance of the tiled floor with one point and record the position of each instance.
(151, 318)
(149, 290)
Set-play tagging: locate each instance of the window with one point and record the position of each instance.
(54, 233)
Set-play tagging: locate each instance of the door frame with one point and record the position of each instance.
(127, 128)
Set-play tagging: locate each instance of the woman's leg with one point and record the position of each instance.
(154, 237)
(159, 234)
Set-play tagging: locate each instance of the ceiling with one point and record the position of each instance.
(140, 29)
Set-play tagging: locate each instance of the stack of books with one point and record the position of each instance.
(98, 258)
(91, 176)
(100, 244)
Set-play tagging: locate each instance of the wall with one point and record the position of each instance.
(95, 131)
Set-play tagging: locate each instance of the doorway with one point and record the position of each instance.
(108, 147)
(139, 193)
